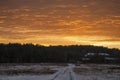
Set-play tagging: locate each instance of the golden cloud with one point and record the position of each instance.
(60, 22)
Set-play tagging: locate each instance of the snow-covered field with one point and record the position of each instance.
(59, 72)
(97, 72)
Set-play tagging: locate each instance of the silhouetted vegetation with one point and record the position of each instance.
(29, 53)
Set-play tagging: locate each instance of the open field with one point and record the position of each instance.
(59, 72)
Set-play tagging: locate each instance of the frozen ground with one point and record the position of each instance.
(97, 72)
(58, 72)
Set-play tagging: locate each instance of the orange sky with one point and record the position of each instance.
(61, 22)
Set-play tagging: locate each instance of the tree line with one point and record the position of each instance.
(29, 53)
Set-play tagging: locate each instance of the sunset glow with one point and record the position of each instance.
(61, 22)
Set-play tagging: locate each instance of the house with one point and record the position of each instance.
(93, 54)
(98, 57)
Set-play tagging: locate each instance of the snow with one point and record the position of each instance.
(26, 77)
(64, 72)
(97, 77)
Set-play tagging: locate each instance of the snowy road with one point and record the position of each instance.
(69, 72)
(65, 73)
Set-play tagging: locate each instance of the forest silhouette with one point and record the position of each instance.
(29, 53)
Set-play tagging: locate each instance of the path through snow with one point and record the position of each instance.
(87, 72)
(65, 73)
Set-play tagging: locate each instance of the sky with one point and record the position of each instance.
(61, 22)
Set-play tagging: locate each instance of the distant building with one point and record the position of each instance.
(86, 59)
(93, 54)
(98, 57)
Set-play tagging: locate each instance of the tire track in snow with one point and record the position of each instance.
(64, 74)
(71, 66)
(61, 72)
(70, 76)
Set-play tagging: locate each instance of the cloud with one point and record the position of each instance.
(1, 22)
(47, 20)
(109, 40)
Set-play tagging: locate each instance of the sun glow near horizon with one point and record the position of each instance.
(59, 22)
(67, 40)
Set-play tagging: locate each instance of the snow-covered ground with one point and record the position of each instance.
(69, 72)
(97, 72)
